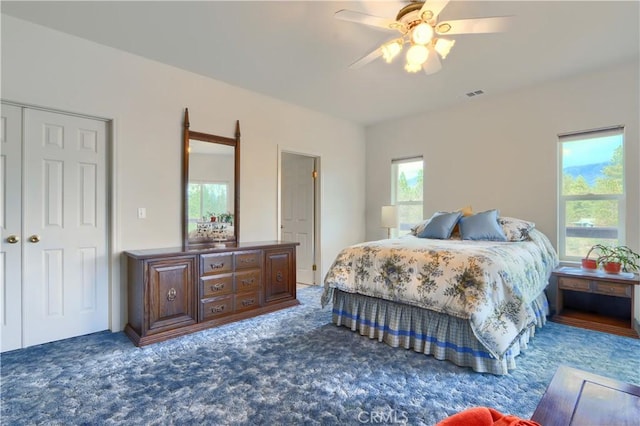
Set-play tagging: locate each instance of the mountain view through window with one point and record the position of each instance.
(592, 192)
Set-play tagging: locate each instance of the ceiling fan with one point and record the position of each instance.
(419, 27)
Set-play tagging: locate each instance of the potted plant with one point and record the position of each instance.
(592, 264)
(226, 218)
(618, 258)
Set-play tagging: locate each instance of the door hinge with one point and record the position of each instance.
(314, 174)
(314, 267)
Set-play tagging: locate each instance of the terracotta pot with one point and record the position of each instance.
(612, 267)
(589, 264)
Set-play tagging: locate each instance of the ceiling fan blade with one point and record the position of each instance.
(433, 64)
(366, 59)
(494, 24)
(363, 18)
(435, 6)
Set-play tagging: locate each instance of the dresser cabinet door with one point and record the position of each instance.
(280, 275)
(170, 293)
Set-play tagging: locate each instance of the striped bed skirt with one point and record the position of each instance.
(432, 333)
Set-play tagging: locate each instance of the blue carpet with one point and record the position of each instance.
(287, 367)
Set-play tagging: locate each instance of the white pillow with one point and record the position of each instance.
(515, 229)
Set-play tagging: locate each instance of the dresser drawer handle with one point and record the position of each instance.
(216, 265)
(249, 260)
(248, 282)
(248, 302)
(217, 309)
(217, 287)
(172, 294)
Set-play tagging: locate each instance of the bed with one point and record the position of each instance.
(476, 303)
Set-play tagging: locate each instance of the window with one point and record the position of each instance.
(591, 191)
(406, 192)
(207, 199)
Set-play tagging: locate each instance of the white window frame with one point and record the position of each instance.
(563, 199)
(394, 186)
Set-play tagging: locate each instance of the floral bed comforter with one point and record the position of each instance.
(492, 284)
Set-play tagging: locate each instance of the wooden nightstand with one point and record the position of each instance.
(595, 300)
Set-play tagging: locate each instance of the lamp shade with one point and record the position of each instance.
(389, 217)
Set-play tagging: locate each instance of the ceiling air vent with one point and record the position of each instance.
(477, 92)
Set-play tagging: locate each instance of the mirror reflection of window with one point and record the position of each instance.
(207, 199)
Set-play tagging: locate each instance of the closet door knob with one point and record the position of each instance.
(12, 239)
(34, 238)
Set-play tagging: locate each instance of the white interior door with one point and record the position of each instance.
(297, 210)
(65, 280)
(11, 222)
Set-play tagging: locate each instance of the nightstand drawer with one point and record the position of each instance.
(613, 289)
(574, 284)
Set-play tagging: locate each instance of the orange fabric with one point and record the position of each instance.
(483, 416)
(477, 416)
(466, 211)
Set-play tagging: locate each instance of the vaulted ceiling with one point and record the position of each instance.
(298, 52)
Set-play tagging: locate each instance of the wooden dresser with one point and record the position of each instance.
(173, 292)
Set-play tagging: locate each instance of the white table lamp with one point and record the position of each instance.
(389, 218)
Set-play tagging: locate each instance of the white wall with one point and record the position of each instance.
(146, 101)
(501, 151)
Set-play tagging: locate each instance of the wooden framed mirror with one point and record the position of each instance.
(211, 185)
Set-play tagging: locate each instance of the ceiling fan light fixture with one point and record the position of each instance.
(412, 67)
(443, 46)
(443, 28)
(420, 28)
(427, 15)
(422, 33)
(417, 55)
(391, 49)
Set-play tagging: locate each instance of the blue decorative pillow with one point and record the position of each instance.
(440, 226)
(482, 226)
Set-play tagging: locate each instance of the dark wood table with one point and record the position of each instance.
(579, 398)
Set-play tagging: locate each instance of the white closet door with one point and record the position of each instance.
(297, 217)
(11, 222)
(65, 279)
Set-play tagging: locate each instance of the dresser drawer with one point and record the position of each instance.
(248, 259)
(215, 308)
(247, 301)
(216, 263)
(216, 285)
(574, 284)
(613, 289)
(248, 280)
